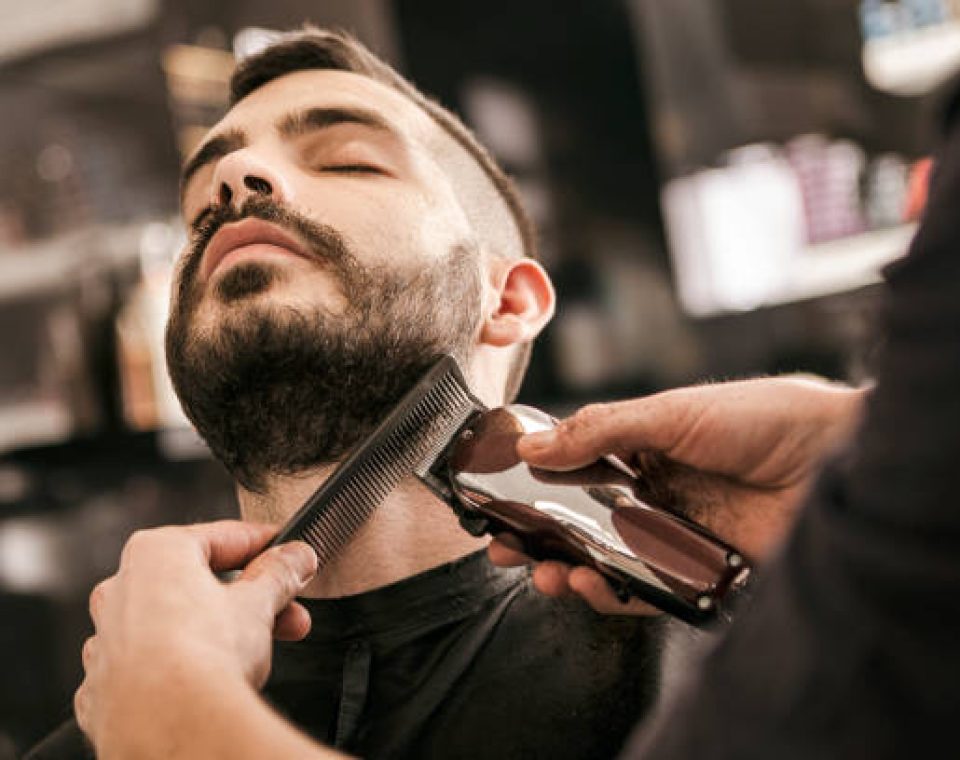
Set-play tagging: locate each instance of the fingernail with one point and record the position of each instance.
(304, 559)
(543, 439)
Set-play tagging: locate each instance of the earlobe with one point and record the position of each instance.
(525, 303)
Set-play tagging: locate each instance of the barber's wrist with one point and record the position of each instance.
(219, 716)
(159, 706)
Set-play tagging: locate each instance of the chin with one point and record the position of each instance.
(244, 281)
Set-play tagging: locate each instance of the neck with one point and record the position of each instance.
(412, 531)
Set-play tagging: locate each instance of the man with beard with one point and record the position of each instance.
(345, 233)
(847, 650)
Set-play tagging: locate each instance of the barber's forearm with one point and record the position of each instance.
(214, 716)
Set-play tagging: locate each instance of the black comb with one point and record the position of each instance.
(413, 435)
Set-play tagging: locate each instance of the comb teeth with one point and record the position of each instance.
(412, 436)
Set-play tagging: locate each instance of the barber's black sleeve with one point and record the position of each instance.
(850, 648)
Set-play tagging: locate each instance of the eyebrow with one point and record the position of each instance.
(313, 119)
(292, 125)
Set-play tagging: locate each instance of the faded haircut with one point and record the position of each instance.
(315, 48)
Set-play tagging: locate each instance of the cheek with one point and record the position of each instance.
(421, 229)
(445, 224)
(383, 226)
(389, 222)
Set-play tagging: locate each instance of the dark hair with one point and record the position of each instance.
(314, 48)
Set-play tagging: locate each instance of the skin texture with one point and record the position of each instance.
(737, 457)
(397, 197)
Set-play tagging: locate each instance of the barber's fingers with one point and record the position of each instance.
(550, 578)
(87, 652)
(97, 597)
(81, 708)
(292, 624)
(275, 577)
(83, 698)
(506, 550)
(623, 428)
(231, 544)
(559, 579)
(222, 545)
(590, 585)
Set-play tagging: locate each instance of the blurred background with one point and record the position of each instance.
(717, 185)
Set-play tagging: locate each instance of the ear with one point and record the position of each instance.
(524, 305)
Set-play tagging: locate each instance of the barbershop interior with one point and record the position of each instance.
(716, 188)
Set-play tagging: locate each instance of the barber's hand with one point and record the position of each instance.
(736, 457)
(165, 621)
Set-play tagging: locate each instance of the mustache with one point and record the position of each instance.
(324, 244)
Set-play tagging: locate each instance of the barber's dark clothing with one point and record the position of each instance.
(463, 661)
(851, 647)
(466, 660)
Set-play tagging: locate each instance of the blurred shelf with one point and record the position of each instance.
(827, 269)
(42, 265)
(28, 29)
(34, 423)
(53, 263)
(122, 447)
(842, 265)
(914, 62)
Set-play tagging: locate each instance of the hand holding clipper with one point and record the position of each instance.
(590, 516)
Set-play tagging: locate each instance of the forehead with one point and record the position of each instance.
(261, 109)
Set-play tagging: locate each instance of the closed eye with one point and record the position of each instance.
(353, 169)
(198, 221)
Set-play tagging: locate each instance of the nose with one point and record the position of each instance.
(244, 173)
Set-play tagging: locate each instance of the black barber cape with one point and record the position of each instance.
(851, 645)
(462, 661)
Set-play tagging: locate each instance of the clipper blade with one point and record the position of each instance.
(407, 441)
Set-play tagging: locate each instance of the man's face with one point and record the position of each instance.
(330, 263)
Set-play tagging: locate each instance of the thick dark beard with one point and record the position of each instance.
(244, 280)
(276, 391)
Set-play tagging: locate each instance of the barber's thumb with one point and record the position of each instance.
(281, 572)
(301, 559)
(556, 449)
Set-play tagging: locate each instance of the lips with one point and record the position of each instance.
(253, 235)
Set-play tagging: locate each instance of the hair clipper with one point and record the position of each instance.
(466, 454)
